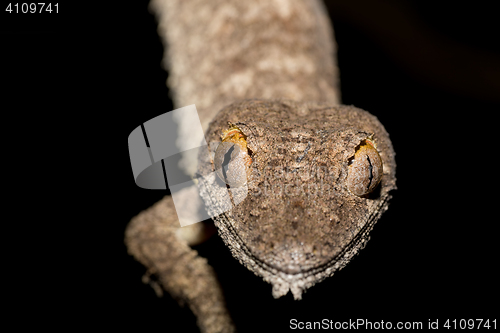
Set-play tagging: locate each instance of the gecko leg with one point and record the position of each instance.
(155, 239)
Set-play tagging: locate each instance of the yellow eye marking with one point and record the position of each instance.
(234, 135)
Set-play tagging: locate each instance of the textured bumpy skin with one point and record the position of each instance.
(221, 51)
(152, 237)
(297, 223)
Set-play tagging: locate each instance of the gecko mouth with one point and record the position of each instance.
(290, 271)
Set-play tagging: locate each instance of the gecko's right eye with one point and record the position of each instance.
(231, 158)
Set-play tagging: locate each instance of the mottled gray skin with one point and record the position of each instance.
(222, 51)
(297, 222)
(219, 51)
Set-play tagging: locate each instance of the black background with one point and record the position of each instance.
(78, 85)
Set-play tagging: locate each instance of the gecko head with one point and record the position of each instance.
(305, 183)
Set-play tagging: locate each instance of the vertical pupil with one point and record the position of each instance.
(370, 169)
(227, 159)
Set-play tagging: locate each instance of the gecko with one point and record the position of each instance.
(310, 176)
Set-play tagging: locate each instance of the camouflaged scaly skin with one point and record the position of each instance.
(297, 223)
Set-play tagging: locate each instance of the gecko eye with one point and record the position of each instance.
(230, 164)
(365, 169)
(231, 158)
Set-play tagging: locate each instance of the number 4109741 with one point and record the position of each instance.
(33, 7)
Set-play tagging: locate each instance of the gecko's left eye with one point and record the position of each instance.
(365, 170)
